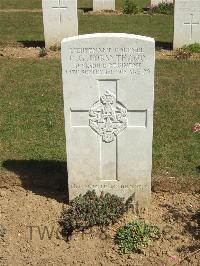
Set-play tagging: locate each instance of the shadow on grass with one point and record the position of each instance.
(86, 9)
(164, 45)
(34, 44)
(46, 178)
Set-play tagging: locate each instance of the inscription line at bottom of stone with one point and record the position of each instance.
(102, 180)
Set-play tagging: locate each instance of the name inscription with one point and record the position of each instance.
(107, 61)
(111, 186)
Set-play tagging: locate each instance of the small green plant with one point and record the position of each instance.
(182, 54)
(54, 48)
(163, 8)
(42, 52)
(192, 48)
(130, 7)
(136, 235)
(89, 210)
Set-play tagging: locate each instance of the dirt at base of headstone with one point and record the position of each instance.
(25, 215)
(17, 50)
(26, 52)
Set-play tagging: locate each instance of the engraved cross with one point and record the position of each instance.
(123, 119)
(191, 23)
(60, 8)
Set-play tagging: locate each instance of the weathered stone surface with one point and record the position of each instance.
(103, 5)
(60, 20)
(108, 85)
(186, 22)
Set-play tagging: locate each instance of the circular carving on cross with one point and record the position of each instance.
(108, 117)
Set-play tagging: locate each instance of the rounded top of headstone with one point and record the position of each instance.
(109, 35)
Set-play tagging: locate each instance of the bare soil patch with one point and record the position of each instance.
(25, 215)
(17, 50)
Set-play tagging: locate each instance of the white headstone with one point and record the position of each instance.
(108, 85)
(186, 22)
(157, 2)
(103, 5)
(60, 20)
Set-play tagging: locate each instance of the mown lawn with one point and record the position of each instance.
(31, 4)
(30, 26)
(20, 4)
(158, 27)
(32, 124)
(21, 27)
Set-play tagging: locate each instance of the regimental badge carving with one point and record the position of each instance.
(108, 117)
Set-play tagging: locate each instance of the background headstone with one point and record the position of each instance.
(60, 20)
(108, 84)
(156, 2)
(103, 5)
(186, 22)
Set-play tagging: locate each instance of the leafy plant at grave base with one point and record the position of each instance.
(89, 210)
(192, 48)
(54, 48)
(182, 54)
(136, 235)
(43, 52)
(130, 7)
(163, 8)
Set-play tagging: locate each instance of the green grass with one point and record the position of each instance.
(20, 4)
(32, 124)
(31, 4)
(159, 27)
(30, 26)
(31, 110)
(176, 148)
(193, 48)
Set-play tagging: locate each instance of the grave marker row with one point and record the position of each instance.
(61, 21)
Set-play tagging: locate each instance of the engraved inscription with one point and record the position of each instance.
(87, 61)
(111, 186)
(107, 117)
